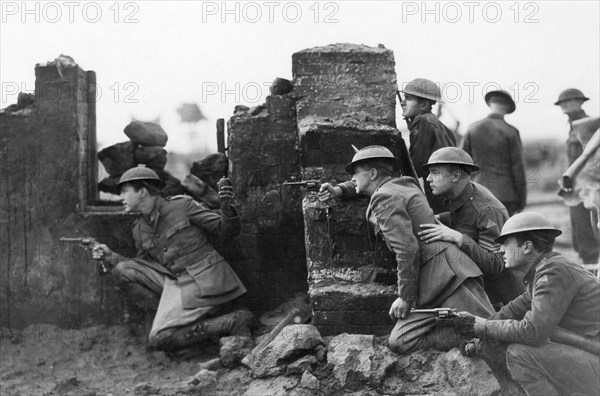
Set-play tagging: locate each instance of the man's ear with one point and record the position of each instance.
(373, 174)
(527, 247)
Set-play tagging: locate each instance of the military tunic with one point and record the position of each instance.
(479, 216)
(496, 148)
(428, 134)
(175, 258)
(558, 293)
(432, 275)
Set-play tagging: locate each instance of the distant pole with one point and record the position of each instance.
(221, 135)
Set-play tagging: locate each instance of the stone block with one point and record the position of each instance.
(326, 142)
(146, 133)
(352, 358)
(293, 342)
(342, 79)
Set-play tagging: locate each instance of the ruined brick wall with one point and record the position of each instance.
(263, 153)
(45, 168)
(347, 96)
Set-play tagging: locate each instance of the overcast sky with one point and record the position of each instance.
(152, 56)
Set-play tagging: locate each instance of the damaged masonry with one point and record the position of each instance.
(293, 250)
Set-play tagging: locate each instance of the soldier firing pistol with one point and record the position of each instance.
(311, 185)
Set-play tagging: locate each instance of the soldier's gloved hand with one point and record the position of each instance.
(327, 191)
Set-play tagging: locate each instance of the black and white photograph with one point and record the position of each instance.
(302, 198)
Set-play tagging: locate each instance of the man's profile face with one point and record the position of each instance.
(440, 180)
(361, 178)
(570, 106)
(512, 253)
(131, 198)
(410, 106)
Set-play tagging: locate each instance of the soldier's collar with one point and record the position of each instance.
(495, 115)
(463, 197)
(155, 210)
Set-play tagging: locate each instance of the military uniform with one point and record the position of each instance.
(496, 147)
(433, 275)
(479, 216)
(176, 260)
(584, 241)
(428, 134)
(558, 293)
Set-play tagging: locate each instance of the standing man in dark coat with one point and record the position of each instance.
(473, 221)
(427, 132)
(584, 242)
(496, 147)
(176, 262)
(433, 275)
(548, 337)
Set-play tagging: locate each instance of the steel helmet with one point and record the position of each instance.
(140, 173)
(571, 93)
(524, 222)
(423, 88)
(504, 95)
(451, 155)
(372, 152)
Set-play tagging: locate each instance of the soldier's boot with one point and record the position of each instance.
(238, 322)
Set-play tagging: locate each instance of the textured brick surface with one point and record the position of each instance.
(341, 79)
(263, 152)
(42, 188)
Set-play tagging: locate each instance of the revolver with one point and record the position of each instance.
(440, 313)
(311, 185)
(87, 243)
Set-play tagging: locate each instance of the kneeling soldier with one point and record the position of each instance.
(548, 337)
(176, 262)
(473, 222)
(434, 275)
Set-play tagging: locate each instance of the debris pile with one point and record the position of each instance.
(145, 147)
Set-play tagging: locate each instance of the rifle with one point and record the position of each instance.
(440, 313)
(311, 185)
(87, 243)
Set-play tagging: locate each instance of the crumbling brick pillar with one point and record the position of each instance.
(347, 96)
(47, 167)
(263, 154)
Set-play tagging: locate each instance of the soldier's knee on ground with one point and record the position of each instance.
(398, 345)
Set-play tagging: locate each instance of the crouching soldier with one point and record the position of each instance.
(473, 221)
(548, 337)
(176, 262)
(434, 275)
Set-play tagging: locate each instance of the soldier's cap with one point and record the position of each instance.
(451, 156)
(423, 88)
(372, 152)
(141, 173)
(504, 95)
(569, 94)
(527, 222)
